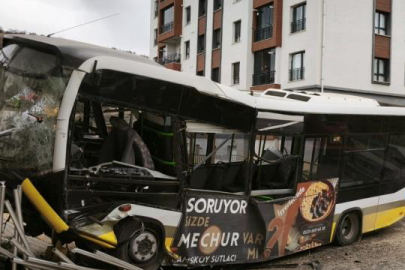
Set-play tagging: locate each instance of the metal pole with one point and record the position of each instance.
(6, 253)
(114, 259)
(18, 206)
(75, 267)
(33, 265)
(59, 266)
(104, 259)
(20, 247)
(323, 45)
(2, 196)
(62, 256)
(17, 226)
(15, 249)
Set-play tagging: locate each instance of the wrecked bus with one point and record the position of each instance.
(159, 167)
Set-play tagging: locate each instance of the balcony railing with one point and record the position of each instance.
(263, 33)
(172, 58)
(166, 27)
(263, 78)
(297, 74)
(298, 25)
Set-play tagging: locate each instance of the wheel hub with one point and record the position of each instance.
(347, 229)
(143, 247)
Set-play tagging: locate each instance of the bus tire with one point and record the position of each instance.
(348, 230)
(140, 248)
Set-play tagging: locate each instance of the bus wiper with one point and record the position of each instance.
(212, 153)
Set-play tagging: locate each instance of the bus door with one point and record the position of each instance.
(363, 161)
(274, 192)
(391, 205)
(219, 223)
(299, 215)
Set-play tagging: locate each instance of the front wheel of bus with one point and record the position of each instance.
(142, 248)
(348, 229)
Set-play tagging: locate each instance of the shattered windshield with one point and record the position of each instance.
(31, 87)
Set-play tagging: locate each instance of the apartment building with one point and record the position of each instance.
(322, 45)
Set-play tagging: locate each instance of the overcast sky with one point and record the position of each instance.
(128, 31)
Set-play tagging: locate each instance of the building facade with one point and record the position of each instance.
(253, 45)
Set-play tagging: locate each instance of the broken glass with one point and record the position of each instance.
(32, 84)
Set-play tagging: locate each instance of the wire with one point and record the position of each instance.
(83, 24)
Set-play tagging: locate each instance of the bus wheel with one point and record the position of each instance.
(142, 248)
(349, 229)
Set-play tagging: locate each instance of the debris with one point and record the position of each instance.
(316, 265)
(21, 246)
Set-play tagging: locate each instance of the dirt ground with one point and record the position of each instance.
(380, 250)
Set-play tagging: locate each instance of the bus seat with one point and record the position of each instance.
(124, 144)
(280, 175)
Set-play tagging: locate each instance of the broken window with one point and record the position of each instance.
(31, 87)
(275, 166)
(218, 161)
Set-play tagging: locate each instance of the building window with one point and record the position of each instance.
(215, 75)
(156, 8)
(297, 70)
(264, 67)
(155, 37)
(167, 22)
(264, 23)
(216, 39)
(201, 44)
(381, 23)
(235, 73)
(298, 22)
(381, 70)
(188, 14)
(200, 73)
(217, 4)
(202, 8)
(187, 49)
(236, 31)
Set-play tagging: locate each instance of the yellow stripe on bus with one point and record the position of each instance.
(389, 217)
(96, 241)
(109, 238)
(377, 220)
(369, 222)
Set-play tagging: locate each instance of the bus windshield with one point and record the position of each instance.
(32, 83)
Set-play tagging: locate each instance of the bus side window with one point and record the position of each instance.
(218, 161)
(363, 159)
(321, 158)
(394, 166)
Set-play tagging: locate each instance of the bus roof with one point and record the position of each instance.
(228, 106)
(306, 102)
(74, 54)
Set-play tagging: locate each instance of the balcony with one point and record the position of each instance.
(166, 27)
(172, 58)
(263, 33)
(298, 25)
(297, 74)
(263, 78)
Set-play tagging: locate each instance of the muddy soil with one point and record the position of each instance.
(380, 250)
